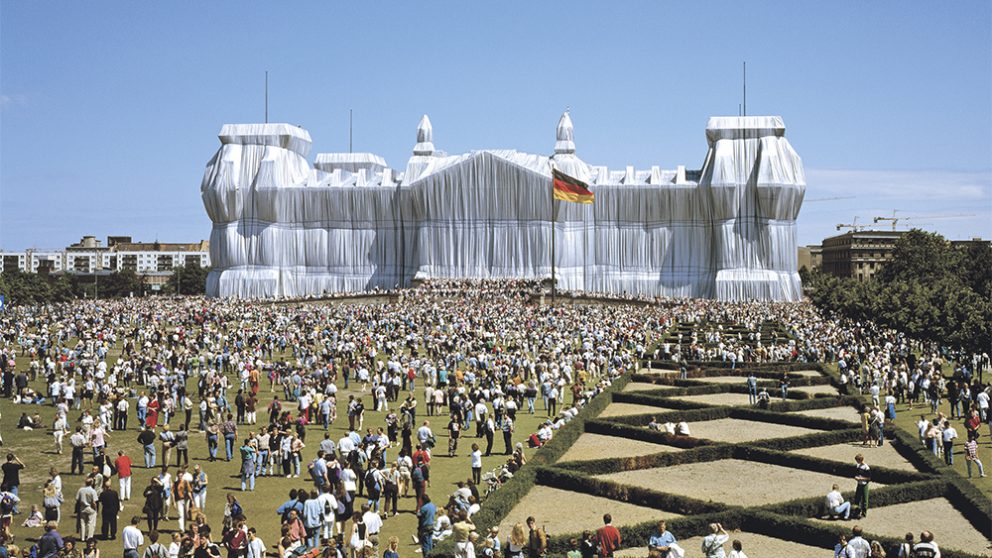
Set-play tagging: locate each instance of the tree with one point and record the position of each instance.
(920, 255)
(190, 280)
(929, 290)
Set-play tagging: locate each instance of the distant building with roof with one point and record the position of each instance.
(154, 262)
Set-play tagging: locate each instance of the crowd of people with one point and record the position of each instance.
(468, 357)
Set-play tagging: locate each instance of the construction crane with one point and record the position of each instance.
(895, 220)
(853, 226)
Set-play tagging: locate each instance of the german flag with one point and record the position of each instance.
(570, 189)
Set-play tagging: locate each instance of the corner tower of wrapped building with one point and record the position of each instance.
(285, 228)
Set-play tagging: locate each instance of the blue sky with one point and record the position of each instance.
(110, 110)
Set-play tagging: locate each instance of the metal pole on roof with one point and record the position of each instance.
(266, 96)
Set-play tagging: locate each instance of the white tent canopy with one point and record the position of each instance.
(283, 227)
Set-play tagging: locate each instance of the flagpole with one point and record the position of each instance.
(554, 287)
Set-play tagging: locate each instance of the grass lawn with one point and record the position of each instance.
(36, 449)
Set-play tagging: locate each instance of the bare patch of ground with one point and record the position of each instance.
(742, 380)
(733, 430)
(732, 399)
(597, 446)
(816, 389)
(752, 544)
(839, 413)
(563, 512)
(885, 456)
(950, 528)
(732, 481)
(624, 409)
(806, 373)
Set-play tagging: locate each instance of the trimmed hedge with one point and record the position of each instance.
(607, 428)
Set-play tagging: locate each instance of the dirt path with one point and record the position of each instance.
(733, 481)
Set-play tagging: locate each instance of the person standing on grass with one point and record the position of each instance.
(123, 465)
(426, 514)
(153, 503)
(971, 454)
(476, 462)
(86, 505)
(12, 476)
(181, 443)
(132, 538)
(454, 430)
(508, 435)
(147, 440)
(248, 456)
(78, 441)
(109, 503)
(948, 435)
(230, 432)
(609, 538)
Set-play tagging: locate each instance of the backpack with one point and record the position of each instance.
(236, 510)
(371, 481)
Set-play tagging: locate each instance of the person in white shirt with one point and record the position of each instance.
(948, 435)
(836, 504)
(373, 526)
(330, 506)
(132, 538)
(256, 547)
(857, 547)
(712, 545)
(476, 461)
(738, 551)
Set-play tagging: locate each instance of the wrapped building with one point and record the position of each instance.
(283, 227)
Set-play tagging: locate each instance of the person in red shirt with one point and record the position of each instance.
(123, 466)
(420, 455)
(608, 537)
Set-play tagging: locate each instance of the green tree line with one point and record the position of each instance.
(930, 290)
(32, 288)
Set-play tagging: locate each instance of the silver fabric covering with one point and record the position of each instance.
(286, 228)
